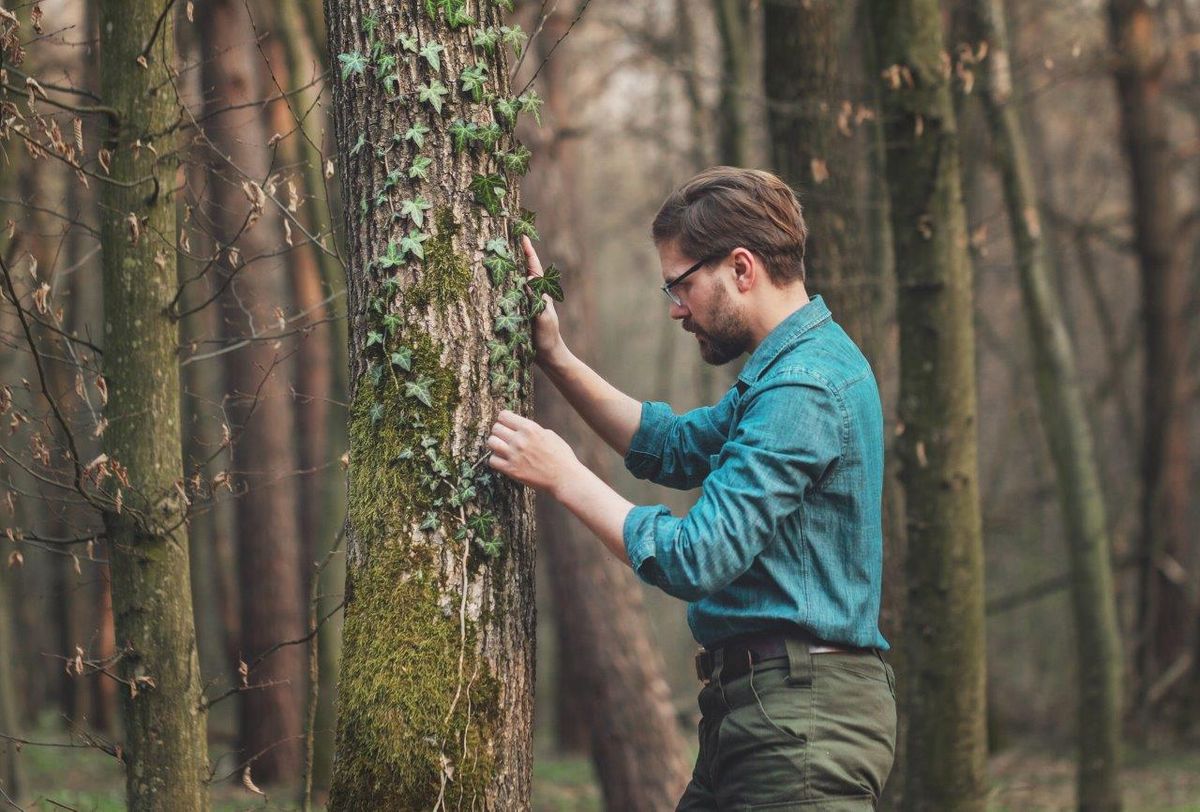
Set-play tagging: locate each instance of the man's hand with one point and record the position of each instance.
(547, 339)
(529, 453)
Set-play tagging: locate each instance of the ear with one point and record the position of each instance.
(746, 269)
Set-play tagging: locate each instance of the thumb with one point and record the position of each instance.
(533, 265)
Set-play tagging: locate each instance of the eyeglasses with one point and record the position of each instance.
(672, 295)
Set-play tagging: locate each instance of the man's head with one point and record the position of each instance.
(743, 233)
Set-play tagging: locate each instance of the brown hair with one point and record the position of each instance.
(725, 207)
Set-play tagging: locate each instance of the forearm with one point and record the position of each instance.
(612, 414)
(598, 506)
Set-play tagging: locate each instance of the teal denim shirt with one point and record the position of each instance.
(788, 527)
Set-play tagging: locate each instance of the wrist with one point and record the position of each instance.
(555, 359)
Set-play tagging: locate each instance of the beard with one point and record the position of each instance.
(727, 337)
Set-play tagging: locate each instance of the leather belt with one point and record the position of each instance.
(738, 656)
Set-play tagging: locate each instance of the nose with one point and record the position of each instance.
(679, 311)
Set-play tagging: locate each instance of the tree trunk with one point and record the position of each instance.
(1068, 432)
(620, 695)
(11, 775)
(1163, 610)
(165, 750)
(946, 767)
(435, 699)
(270, 570)
(740, 123)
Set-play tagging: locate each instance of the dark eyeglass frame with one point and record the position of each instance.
(674, 297)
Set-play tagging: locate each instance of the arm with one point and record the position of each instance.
(667, 449)
(610, 412)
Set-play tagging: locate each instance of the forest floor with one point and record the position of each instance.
(1023, 778)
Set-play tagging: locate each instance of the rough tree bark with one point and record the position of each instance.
(164, 749)
(1164, 612)
(619, 696)
(946, 741)
(435, 698)
(269, 546)
(1065, 423)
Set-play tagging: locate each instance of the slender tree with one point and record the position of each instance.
(164, 749)
(248, 228)
(434, 702)
(1163, 607)
(1065, 422)
(946, 741)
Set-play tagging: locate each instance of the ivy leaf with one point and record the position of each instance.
(431, 521)
(402, 358)
(416, 133)
(352, 63)
(390, 286)
(522, 226)
(419, 389)
(548, 284)
(392, 258)
(500, 268)
(508, 323)
(376, 413)
(407, 42)
(513, 36)
(486, 39)
(531, 103)
(498, 246)
(362, 139)
(369, 23)
(508, 109)
(391, 323)
(510, 302)
(481, 523)
(433, 92)
(415, 208)
(374, 337)
(420, 167)
(412, 244)
(386, 63)
(504, 4)
(462, 133)
(473, 79)
(489, 134)
(489, 192)
(431, 53)
(517, 160)
(375, 373)
(499, 351)
(458, 17)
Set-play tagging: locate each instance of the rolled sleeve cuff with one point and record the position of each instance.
(639, 536)
(644, 457)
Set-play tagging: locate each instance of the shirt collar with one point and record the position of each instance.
(783, 337)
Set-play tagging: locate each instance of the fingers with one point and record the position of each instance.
(513, 420)
(533, 265)
(498, 445)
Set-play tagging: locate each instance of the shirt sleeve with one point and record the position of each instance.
(675, 450)
(788, 438)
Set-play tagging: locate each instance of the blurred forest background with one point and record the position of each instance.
(638, 96)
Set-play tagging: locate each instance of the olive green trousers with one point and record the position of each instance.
(809, 731)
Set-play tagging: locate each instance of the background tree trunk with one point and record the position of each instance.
(435, 699)
(264, 452)
(164, 751)
(619, 694)
(1164, 612)
(1068, 432)
(946, 737)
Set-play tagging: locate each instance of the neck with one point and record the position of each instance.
(783, 303)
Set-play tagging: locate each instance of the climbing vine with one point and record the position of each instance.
(453, 489)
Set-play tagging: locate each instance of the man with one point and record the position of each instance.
(780, 559)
